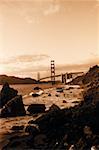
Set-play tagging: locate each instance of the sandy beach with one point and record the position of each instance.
(70, 96)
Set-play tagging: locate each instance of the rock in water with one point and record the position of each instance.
(14, 108)
(36, 108)
(7, 94)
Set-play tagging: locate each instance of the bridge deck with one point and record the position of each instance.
(72, 73)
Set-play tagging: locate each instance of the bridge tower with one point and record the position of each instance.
(64, 78)
(53, 71)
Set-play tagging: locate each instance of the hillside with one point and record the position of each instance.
(16, 80)
(89, 79)
(91, 83)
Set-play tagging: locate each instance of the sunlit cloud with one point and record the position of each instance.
(79, 67)
(32, 11)
(24, 59)
(24, 65)
(52, 9)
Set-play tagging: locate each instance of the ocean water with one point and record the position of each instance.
(25, 89)
(22, 88)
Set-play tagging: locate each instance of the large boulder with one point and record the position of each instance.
(14, 107)
(7, 94)
(52, 119)
(36, 108)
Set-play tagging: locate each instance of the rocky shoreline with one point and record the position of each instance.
(75, 128)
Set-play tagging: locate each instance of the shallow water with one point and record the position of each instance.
(25, 89)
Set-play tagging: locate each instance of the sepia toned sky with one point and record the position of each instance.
(32, 32)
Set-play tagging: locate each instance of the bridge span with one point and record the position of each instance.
(64, 76)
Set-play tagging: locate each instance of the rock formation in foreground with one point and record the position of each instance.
(7, 94)
(10, 102)
(13, 108)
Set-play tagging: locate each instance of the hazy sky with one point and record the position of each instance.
(32, 32)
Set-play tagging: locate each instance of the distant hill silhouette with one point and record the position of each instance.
(16, 80)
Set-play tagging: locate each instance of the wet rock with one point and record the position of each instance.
(57, 95)
(32, 129)
(31, 122)
(36, 108)
(35, 95)
(7, 94)
(38, 93)
(59, 90)
(49, 94)
(75, 102)
(37, 88)
(64, 101)
(16, 128)
(14, 108)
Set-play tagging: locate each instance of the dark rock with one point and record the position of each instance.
(32, 129)
(57, 95)
(7, 94)
(64, 101)
(52, 119)
(31, 122)
(40, 141)
(13, 108)
(37, 88)
(35, 95)
(59, 90)
(36, 108)
(49, 94)
(21, 141)
(17, 128)
(76, 102)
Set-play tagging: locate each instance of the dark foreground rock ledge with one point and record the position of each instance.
(76, 127)
(6, 94)
(11, 103)
(14, 108)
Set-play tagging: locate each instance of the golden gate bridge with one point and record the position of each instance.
(64, 76)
